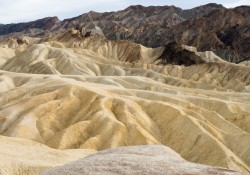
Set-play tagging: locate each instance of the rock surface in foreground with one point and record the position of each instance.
(147, 160)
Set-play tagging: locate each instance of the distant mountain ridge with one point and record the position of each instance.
(45, 24)
(208, 27)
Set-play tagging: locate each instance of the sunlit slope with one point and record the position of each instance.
(209, 127)
(19, 156)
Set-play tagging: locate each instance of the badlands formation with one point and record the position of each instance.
(71, 94)
(66, 96)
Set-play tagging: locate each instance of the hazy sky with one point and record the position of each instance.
(12, 11)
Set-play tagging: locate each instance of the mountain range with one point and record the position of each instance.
(208, 27)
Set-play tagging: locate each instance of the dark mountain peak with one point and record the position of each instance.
(208, 7)
(50, 18)
(151, 8)
(47, 23)
(46, 19)
(246, 7)
(93, 12)
(243, 10)
(135, 7)
(214, 5)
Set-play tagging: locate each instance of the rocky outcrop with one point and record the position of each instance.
(176, 55)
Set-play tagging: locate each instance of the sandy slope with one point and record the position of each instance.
(92, 99)
(5, 54)
(25, 157)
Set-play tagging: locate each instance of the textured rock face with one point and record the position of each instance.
(147, 160)
(34, 27)
(176, 55)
